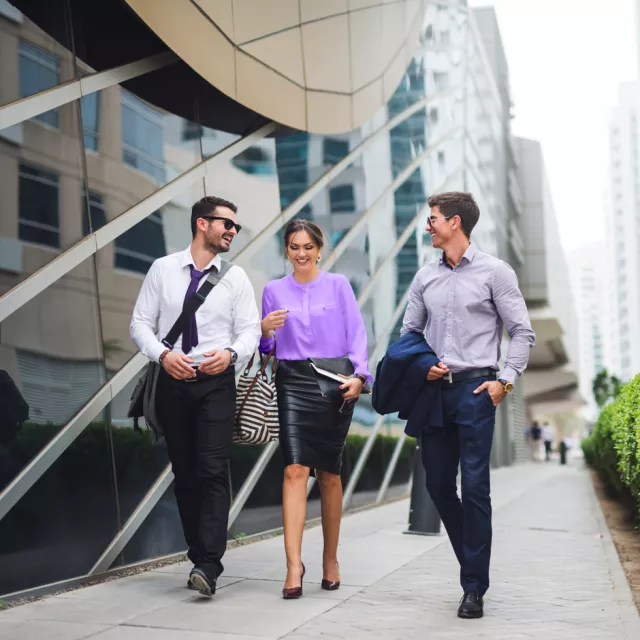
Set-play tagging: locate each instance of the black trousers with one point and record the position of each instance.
(197, 418)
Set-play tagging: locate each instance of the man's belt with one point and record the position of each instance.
(463, 376)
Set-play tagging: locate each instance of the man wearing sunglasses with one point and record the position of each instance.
(196, 390)
(466, 299)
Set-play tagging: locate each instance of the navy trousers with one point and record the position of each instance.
(465, 440)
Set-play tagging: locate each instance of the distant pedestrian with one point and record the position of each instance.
(547, 438)
(535, 435)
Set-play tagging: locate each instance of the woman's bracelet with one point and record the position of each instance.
(361, 378)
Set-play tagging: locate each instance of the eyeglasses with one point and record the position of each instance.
(228, 223)
(431, 220)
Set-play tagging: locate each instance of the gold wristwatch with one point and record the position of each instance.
(506, 385)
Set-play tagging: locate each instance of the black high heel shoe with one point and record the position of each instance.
(329, 585)
(294, 592)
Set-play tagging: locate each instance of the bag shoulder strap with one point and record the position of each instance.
(194, 303)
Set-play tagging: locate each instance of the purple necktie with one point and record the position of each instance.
(190, 334)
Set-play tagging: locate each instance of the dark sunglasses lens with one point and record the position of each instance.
(230, 224)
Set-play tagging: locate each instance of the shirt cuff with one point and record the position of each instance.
(365, 373)
(509, 374)
(266, 344)
(155, 351)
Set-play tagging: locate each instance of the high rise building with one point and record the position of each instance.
(104, 148)
(622, 263)
(589, 284)
(551, 381)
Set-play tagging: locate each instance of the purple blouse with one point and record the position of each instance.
(324, 320)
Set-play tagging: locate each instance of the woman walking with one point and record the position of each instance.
(314, 315)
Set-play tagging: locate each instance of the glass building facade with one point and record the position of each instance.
(95, 185)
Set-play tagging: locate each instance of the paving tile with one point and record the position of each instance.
(273, 617)
(151, 633)
(47, 630)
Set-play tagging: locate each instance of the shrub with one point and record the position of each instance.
(613, 449)
(600, 451)
(626, 435)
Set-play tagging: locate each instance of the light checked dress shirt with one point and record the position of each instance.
(465, 310)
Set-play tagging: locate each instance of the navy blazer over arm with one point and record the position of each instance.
(401, 384)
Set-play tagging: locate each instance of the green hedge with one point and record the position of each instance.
(613, 449)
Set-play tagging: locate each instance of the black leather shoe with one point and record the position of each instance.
(201, 582)
(471, 606)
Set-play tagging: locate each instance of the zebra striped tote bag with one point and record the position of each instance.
(257, 405)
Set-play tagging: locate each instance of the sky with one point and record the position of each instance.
(566, 60)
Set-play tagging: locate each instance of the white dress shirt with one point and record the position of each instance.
(228, 317)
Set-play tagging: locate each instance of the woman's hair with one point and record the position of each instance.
(314, 231)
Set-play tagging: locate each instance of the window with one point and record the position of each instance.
(292, 160)
(142, 136)
(56, 389)
(334, 150)
(433, 115)
(39, 219)
(90, 107)
(254, 161)
(336, 236)
(191, 131)
(137, 248)
(39, 71)
(441, 79)
(342, 199)
(355, 285)
(441, 158)
(96, 216)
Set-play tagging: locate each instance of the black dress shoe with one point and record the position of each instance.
(471, 606)
(201, 582)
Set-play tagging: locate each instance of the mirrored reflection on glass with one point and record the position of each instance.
(41, 182)
(50, 348)
(159, 535)
(250, 181)
(133, 149)
(32, 61)
(60, 527)
(263, 510)
(369, 483)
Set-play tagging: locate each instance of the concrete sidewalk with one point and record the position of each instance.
(555, 574)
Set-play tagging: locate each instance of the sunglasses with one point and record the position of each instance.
(228, 223)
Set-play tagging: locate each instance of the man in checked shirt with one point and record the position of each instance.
(466, 300)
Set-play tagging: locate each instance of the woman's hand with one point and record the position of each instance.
(275, 320)
(354, 388)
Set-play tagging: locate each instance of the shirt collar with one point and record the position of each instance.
(469, 254)
(186, 259)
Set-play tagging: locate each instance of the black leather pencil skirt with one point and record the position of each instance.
(312, 430)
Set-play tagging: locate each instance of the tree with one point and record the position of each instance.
(605, 387)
